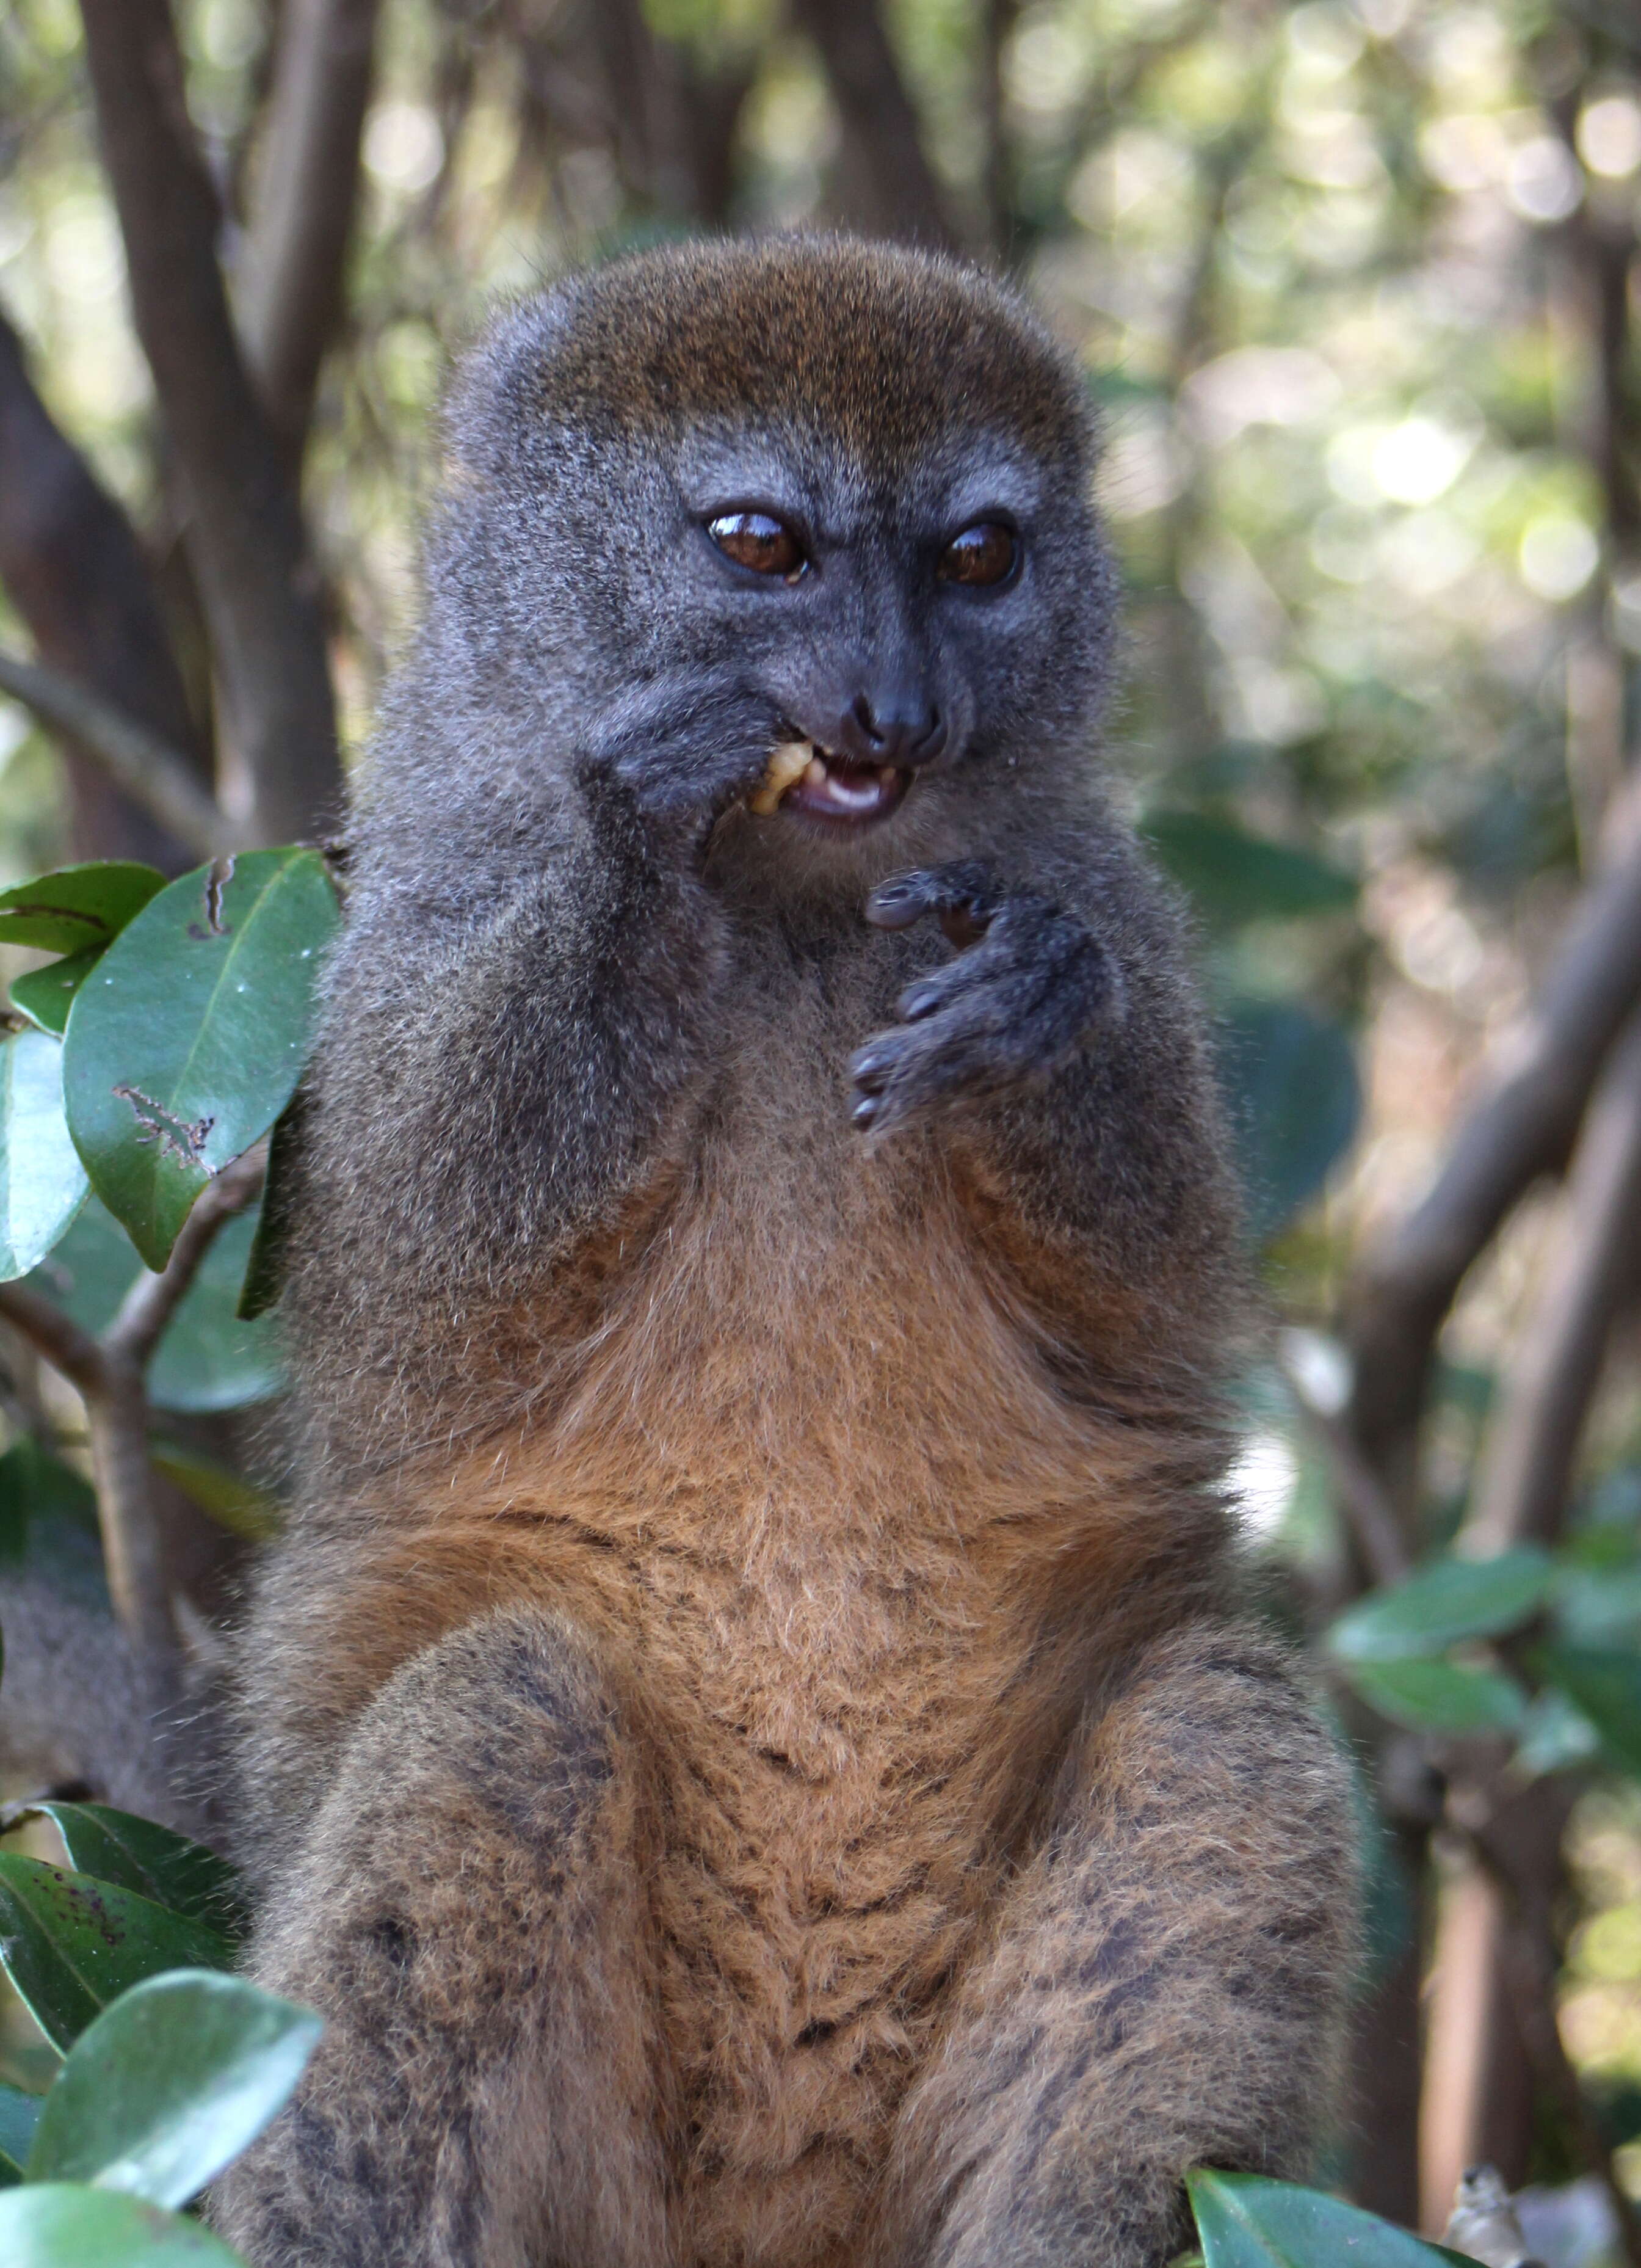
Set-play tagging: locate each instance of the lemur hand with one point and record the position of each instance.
(1029, 984)
(676, 767)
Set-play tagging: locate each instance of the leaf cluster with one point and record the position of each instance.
(160, 1047)
(167, 2065)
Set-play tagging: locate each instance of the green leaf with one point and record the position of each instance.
(77, 906)
(170, 2084)
(264, 1270)
(43, 1183)
(1598, 1604)
(187, 1042)
(141, 1855)
(1555, 1736)
(1604, 1684)
(48, 1524)
(1234, 876)
(61, 2225)
(46, 995)
(224, 1496)
(207, 1360)
(1246, 2220)
(1289, 1075)
(38, 1489)
(19, 2115)
(1440, 1697)
(70, 1945)
(1449, 1599)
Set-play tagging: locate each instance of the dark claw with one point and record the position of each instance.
(921, 1000)
(864, 1111)
(870, 1068)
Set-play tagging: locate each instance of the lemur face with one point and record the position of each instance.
(880, 619)
(808, 495)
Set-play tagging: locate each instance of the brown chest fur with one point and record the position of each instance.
(804, 1472)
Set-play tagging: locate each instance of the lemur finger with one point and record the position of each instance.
(964, 894)
(981, 967)
(923, 1070)
(1057, 972)
(1009, 1011)
(692, 784)
(1027, 947)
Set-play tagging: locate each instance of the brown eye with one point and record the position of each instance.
(984, 553)
(755, 539)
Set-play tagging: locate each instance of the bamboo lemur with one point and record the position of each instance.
(752, 1743)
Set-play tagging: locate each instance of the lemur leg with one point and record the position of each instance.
(1165, 1990)
(463, 1912)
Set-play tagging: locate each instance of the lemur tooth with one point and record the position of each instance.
(787, 763)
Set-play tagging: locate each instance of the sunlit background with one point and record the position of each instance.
(1356, 286)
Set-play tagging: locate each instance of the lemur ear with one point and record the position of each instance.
(492, 406)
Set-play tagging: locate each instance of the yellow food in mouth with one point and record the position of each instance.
(787, 763)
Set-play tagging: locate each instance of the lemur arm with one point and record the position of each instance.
(496, 1087)
(511, 1073)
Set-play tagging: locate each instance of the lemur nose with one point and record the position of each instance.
(898, 728)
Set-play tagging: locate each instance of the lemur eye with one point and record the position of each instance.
(755, 540)
(985, 553)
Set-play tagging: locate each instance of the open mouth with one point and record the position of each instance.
(834, 788)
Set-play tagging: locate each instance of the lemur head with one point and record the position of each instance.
(804, 489)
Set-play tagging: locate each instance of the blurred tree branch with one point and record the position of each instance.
(1504, 1837)
(72, 566)
(1522, 1486)
(150, 774)
(671, 124)
(888, 186)
(1361, 1496)
(110, 1373)
(308, 188)
(244, 529)
(599, 75)
(1522, 1124)
(998, 24)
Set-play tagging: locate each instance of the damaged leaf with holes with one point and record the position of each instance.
(186, 1041)
(70, 1944)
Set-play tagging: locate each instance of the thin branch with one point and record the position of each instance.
(64, 1345)
(109, 1374)
(1528, 1459)
(1596, 251)
(1476, 2097)
(116, 1417)
(153, 1299)
(308, 187)
(74, 569)
(243, 523)
(1522, 1124)
(153, 775)
(1369, 1513)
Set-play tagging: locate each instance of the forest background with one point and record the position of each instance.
(1356, 284)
